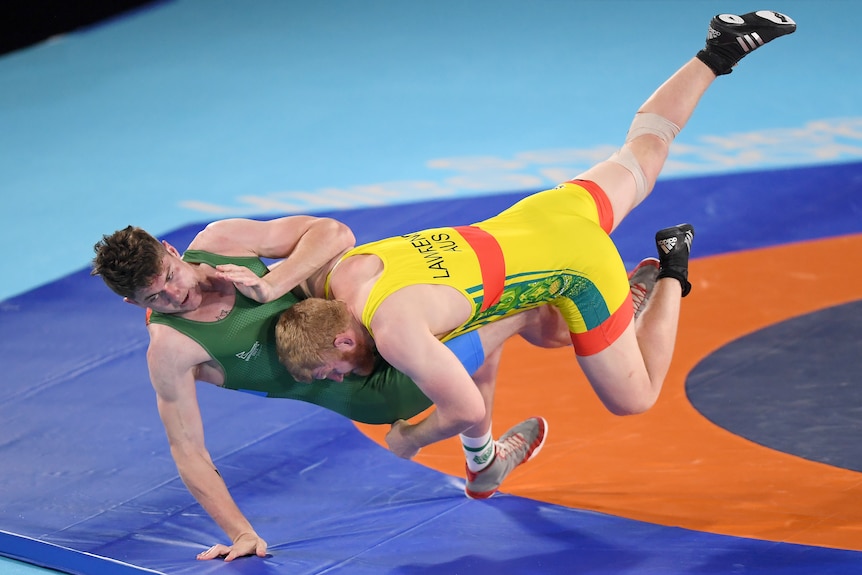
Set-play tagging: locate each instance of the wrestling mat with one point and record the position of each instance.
(749, 463)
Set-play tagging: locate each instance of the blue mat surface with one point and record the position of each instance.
(87, 470)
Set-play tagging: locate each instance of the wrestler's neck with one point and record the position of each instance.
(218, 296)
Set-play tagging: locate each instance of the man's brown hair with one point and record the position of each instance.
(128, 260)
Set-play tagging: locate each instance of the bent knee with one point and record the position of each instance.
(470, 415)
(637, 397)
(633, 405)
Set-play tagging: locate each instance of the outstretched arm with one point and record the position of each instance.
(174, 382)
(459, 404)
(310, 245)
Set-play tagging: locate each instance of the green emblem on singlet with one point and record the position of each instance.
(529, 290)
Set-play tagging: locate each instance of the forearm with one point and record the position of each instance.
(436, 427)
(315, 252)
(208, 488)
(409, 344)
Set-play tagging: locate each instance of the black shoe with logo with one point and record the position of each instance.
(730, 37)
(674, 247)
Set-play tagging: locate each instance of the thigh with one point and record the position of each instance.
(618, 184)
(619, 377)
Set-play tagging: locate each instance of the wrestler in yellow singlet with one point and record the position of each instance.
(551, 247)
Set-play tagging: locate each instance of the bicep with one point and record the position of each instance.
(414, 350)
(176, 398)
(274, 239)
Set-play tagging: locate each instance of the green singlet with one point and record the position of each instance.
(243, 344)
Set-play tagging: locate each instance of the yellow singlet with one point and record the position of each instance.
(551, 247)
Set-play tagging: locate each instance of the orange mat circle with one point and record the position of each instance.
(671, 466)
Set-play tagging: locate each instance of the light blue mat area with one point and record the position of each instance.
(199, 109)
(10, 567)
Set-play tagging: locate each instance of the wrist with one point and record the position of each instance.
(249, 532)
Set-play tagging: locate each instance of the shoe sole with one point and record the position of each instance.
(651, 262)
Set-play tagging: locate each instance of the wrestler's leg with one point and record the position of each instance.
(542, 326)
(628, 376)
(485, 379)
(627, 380)
(630, 174)
(477, 441)
(648, 142)
(488, 461)
(656, 329)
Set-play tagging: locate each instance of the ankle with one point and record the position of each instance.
(679, 275)
(479, 451)
(719, 64)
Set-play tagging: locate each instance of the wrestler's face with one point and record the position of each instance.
(357, 359)
(175, 289)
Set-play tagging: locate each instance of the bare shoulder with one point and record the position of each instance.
(173, 356)
(398, 326)
(276, 238)
(422, 307)
(225, 237)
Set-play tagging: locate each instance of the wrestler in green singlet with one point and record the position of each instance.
(243, 344)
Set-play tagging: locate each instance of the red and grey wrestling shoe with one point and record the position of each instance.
(518, 445)
(642, 281)
(730, 37)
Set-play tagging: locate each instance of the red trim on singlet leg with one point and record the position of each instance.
(601, 337)
(491, 262)
(603, 203)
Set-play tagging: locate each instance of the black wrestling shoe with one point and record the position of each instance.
(730, 37)
(674, 247)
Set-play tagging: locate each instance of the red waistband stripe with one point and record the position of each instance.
(491, 263)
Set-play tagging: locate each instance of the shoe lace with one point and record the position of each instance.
(639, 295)
(512, 445)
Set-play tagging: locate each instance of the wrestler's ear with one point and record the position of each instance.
(344, 342)
(171, 249)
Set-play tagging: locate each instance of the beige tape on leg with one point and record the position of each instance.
(643, 124)
(626, 158)
(649, 123)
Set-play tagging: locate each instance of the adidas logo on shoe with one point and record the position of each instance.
(667, 245)
(673, 257)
